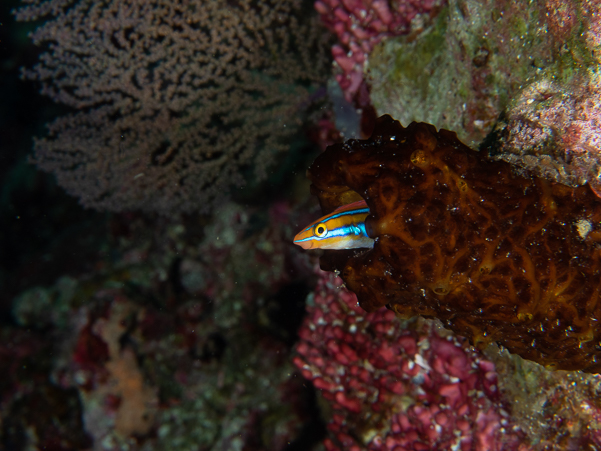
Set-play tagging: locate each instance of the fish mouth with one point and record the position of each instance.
(304, 244)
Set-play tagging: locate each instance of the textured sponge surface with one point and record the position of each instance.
(496, 256)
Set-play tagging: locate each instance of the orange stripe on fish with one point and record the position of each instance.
(344, 228)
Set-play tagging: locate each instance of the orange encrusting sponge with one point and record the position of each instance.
(497, 257)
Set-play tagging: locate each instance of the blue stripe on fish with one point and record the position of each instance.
(344, 228)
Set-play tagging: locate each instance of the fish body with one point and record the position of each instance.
(344, 228)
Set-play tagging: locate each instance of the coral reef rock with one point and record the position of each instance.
(399, 385)
(496, 256)
(485, 58)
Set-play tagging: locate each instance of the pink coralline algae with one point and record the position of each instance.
(173, 101)
(360, 25)
(399, 388)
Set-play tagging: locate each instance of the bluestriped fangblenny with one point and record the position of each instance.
(344, 228)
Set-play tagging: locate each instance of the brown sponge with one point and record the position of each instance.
(494, 255)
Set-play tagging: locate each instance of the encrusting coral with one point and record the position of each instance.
(137, 401)
(497, 257)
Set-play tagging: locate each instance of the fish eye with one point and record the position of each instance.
(320, 230)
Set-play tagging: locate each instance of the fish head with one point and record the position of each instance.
(310, 237)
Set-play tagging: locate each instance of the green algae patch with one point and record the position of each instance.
(420, 56)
